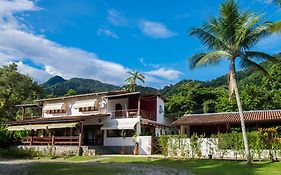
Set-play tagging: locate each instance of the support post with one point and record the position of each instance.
(53, 139)
(80, 150)
(31, 140)
(139, 102)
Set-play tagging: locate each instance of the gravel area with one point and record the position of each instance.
(9, 166)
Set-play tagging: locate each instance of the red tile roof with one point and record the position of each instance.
(229, 117)
(40, 120)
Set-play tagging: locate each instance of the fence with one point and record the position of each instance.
(208, 148)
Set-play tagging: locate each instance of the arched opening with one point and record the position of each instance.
(118, 110)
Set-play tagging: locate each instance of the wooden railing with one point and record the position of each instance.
(54, 140)
(129, 113)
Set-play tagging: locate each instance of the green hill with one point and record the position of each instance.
(57, 86)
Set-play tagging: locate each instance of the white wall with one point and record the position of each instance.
(112, 102)
(161, 115)
(70, 110)
(145, 145)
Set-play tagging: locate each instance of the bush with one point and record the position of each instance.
(19, 153)
(9, 138)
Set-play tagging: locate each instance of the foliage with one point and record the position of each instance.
(15, 89)
(132, 80)
(179, 145)
(8, 138)
(19, 153)
(70, 92)
(58, 87)
(163, 143)
(257, 93)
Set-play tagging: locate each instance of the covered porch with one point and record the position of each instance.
(59, 131)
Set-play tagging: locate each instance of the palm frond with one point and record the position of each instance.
(229, 17)
(255, 35)
(275, 27)
(248, 22)
(247, 63)
(208, 39)
(260, 56)
(209, 58)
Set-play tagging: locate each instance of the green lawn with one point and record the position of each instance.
(199, 167)
(69, 169)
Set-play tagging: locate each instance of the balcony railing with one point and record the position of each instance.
(129, 113)
(54, 140)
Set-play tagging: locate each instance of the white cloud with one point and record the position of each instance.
(18, 43)
(165, 73)
(107, 33)
(155, 29)
(33, 72)
(148, 64)
(116, 18)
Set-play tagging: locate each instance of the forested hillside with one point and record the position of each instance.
(258, 91)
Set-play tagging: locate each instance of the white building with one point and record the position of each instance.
(111, 119)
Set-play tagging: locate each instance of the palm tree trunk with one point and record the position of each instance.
(238, 100)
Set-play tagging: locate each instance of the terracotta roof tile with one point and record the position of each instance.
(229, 117)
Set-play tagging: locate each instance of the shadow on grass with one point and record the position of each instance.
(59, 168)
(198, 167)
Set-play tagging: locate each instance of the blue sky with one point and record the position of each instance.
(104, 39)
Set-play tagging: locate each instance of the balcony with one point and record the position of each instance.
(133, 113)
(129, 113)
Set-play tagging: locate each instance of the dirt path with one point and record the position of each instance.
(9, 166)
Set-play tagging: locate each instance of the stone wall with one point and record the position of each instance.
(59, 151)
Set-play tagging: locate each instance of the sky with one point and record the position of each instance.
(104, 39)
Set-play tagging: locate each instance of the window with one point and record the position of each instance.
(85, 109)
(161, 110)
(57, 111)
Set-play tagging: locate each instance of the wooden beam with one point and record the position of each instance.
(80, 134)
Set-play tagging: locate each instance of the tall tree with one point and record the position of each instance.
(15, 89)
(230, 36)
(132, 80)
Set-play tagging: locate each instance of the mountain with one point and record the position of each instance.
(57, 86)
(54, 80)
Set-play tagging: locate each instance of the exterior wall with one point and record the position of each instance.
(70, 110)
(161, 113)
(96, 120)
(112, 102)
(144, 143)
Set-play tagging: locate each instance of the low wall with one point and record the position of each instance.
(143, 141)
(208, 147)
(59, 150)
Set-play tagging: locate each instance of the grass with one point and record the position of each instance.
(70, 169)
(72, 165)
(198, 167)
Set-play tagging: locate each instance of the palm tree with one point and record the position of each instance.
(131, 81)
(230, 36)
